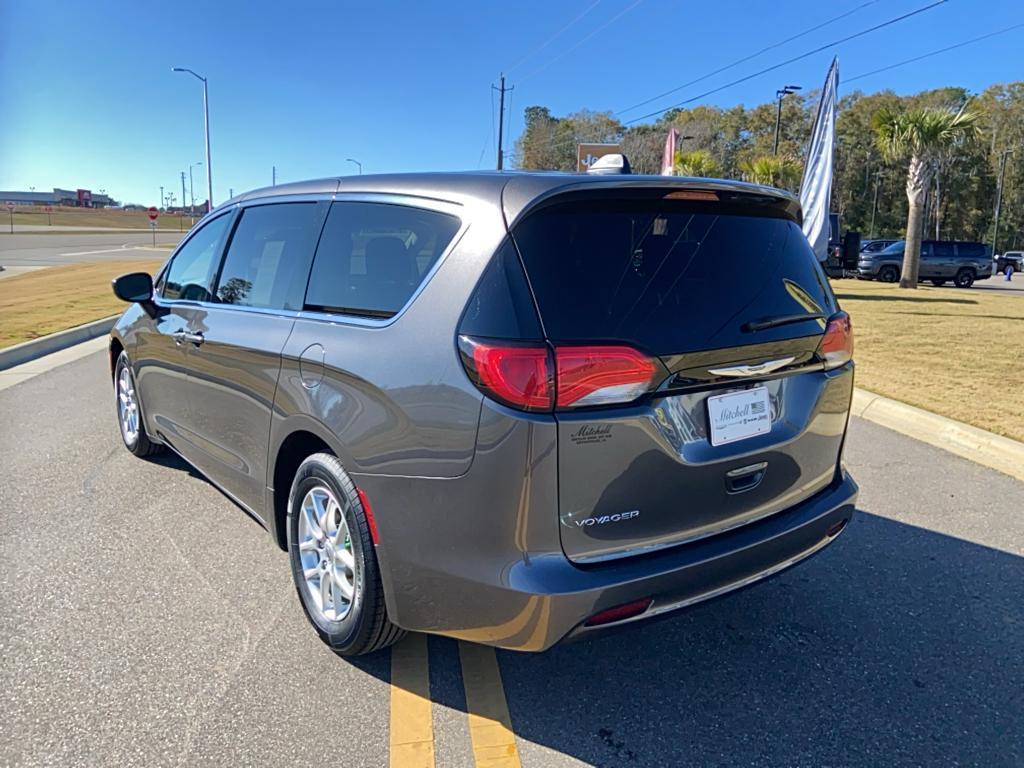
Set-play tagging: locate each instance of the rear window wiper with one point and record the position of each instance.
(775, 322)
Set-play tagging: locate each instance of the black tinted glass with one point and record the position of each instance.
(669, 277)
(941, 250)
(268, 260)
(191, 272)
(501, 306)
(971, 250)
(372, 257)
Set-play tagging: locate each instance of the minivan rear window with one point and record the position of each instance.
(669, 277)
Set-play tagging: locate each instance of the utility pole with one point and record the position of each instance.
(181, 213)
(501, 120)
(273, 175)
(999, 198)
(161, 194)
(780, 95)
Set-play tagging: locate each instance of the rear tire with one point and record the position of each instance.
(938, 283)
(329, 539)
(964, 278)
(888, 274)
(129, 411)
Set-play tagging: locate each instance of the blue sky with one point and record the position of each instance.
(88, 98)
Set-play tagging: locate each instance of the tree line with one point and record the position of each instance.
(870, 186)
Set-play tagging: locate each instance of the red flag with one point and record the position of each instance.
(668, 159)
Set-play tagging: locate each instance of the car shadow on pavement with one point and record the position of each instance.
(897, 645)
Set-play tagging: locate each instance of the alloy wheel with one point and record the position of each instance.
(127, 406)
(326, 554)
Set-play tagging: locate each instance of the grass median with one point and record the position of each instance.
(958, 353)
(44, 301)
(63, 216)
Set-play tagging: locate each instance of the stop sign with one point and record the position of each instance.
(10, 205)
(153, 213)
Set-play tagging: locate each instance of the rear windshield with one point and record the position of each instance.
(669, 277)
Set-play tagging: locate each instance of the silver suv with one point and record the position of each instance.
(507, 408)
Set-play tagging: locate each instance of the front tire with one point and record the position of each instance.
(129, 411)
(888, 274)
(333, 561)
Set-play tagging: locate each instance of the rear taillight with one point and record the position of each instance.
(836, 347)
(532, 378)
(516, 375)
(601, 375)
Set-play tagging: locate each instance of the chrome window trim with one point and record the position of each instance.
(439, 205)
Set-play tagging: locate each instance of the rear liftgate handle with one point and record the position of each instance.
(745, 478)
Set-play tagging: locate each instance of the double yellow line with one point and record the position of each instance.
(412, 722)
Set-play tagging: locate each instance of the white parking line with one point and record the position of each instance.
(90, 253)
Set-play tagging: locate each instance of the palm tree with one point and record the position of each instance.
(699, 162)
(923, 136)
(774, 171)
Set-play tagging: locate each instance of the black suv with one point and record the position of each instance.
(941, 260)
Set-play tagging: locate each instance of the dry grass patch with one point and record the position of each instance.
(958, 353)
(91, 217)
(48, 300)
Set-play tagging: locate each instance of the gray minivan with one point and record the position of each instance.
(507, 408)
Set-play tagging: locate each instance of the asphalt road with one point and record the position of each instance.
(144, 619)
(45, 250)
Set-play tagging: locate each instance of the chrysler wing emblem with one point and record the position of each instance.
(757, 369)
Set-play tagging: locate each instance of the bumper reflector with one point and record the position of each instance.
(619, 612)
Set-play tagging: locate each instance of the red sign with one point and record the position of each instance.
(10, 205)
(153, 213)
(49, 208)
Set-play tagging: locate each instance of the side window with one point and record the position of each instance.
(373, 256)
(267, 262)
(942, 250)
(971, 250)
(191, 272)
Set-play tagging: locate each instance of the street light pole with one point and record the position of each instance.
(780, 95)
(350, 160)
(999, 198)
(206, 126)
(191, 194)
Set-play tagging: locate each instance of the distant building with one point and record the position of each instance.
(78, 198)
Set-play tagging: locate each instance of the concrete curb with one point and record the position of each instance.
(45, 345)
(977, 445)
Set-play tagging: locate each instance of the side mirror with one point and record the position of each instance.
(135, 288)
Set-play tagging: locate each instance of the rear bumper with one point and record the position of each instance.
(543, 600)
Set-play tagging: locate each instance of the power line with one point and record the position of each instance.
(748, 58)
(551, 39)
(935, 52)
(572, 48)
(781, 64)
